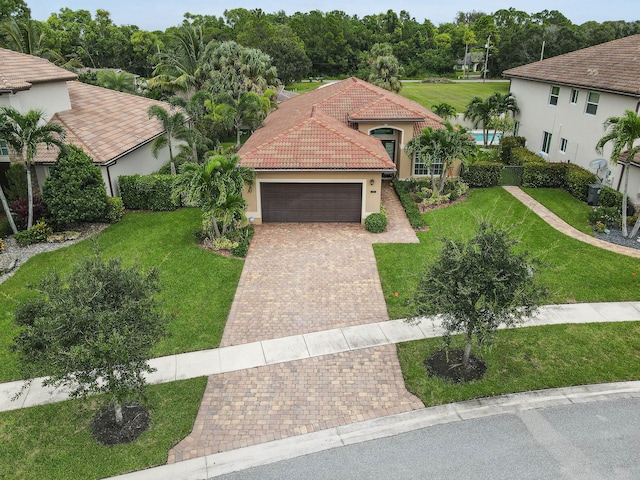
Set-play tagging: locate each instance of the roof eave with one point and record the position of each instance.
(572, 84)
(412, 120)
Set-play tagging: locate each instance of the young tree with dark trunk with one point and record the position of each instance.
(92, 330)
(477, 285)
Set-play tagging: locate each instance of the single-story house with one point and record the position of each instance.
(112, 127)
(321, 156)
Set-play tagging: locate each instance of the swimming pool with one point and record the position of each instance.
(480, 139)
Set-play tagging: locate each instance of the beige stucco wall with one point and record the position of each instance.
(371, 193)
(404, 133)
(571, 122)
(48, 97)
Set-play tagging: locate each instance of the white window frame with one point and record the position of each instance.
(546, 142)
(554, 95)
(575, 93)
(592, 103)
(424, 170)
(4, 148)
(563, 145)
(516, 128)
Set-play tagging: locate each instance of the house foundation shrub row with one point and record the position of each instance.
(148, 192)
(410, 207)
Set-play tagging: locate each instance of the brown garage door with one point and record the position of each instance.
(311, 202)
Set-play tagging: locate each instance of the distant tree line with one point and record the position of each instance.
(327, 44)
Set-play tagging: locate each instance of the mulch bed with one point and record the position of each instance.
(424, 209)
(449, 367)
(135, 420)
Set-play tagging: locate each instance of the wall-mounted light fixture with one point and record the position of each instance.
(251, 219)
(372, 181)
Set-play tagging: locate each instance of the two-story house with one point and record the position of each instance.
(322, 155)
(565, 100)
(113, 128)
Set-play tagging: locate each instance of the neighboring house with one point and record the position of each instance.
(113, 128)
(565, 100)
(321, 156)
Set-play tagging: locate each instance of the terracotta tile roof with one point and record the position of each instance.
(606, 67)
(18, 71)
(105, 123)
(312, 131)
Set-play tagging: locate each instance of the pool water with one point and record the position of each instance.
(480, 139)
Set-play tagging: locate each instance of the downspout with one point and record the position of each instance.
(109, 177)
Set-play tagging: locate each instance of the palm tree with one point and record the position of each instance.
(26, 133)
(26, 36)
(488, 112)
(480, 113)
(173, 125)
(183, 67)
(217, 187)
(444, 110)
(442, 145)
(117, 80)
(623, 132)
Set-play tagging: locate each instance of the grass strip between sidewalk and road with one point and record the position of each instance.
(531, 358)
(55, 442)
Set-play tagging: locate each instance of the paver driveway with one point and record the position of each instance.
(307, 277)
(302, 278)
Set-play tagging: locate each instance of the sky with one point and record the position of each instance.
(161, 14)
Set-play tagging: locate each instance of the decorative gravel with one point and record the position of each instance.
(615, 236)
(22, 254)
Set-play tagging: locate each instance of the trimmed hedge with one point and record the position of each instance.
(482, 174)
(578, 181)
(544, 175)
(147, 192)
(410, 207)
(523, 156)
(376, 222)
(507, 144)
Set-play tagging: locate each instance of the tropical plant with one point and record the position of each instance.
(217, 188)
(491, 112)
(175, 128)
(117, 80)
(92, 330)
(26, 133)
(477, 285)
(384, 68)
(247, 112)
(444, 110)
(623, 132)
(441, 146)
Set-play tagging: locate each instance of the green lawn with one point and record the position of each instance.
(457, 94)
(197, 285)
(532, 358)
(574, 271)
(303, 87)
(55, 441)
(563, 204)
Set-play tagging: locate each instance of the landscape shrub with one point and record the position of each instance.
(74, 190)
(5, 228)
(409, 205)
(455, 188)
(523, 156)
(609, 216)
(544, 175)
(507, 144)
(376, 222)
(610, 198)
(222, 243)
(115, 210)
(36, 234)
(20, 209)
(482, 174)
(148, 192)
(16, 182)
(578, 181)
(2, 245)
(240, 250)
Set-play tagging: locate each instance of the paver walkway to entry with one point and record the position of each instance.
(302, 278)
(562, 226)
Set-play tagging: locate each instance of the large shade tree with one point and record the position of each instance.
(26, 134)
(623, 133)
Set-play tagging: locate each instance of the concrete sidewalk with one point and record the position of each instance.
(265, 453)
(296, 347)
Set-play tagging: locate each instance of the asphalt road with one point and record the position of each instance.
(590, 441)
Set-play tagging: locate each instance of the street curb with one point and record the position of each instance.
(265, 453)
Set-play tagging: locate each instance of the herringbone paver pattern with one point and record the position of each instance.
(277, 401)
